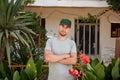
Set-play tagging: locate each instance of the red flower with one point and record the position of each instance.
(84, 59)
(28, 55)
(74, 72)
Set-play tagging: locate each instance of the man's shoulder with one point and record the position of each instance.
(70, 40)
(51, 39)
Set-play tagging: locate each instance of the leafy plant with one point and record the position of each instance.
(33, 71)
(95, 70)
(28, 2)
(19, 54)
(89, 19)
(13, 28)
(39, 30)
(114, 5)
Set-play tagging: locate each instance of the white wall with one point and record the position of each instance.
(53, 16)
(107, 44)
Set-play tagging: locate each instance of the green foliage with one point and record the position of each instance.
(33, 71)
(94, 62)
(96, 70)
(2, 70)
(116, 70)
(99, 71)
(23, 75)
(40, 30)
(89, 19)
(13, 27)
(114, 5)
(111, 72)
(16, 76)
(6, 78)
(28, 1)
(19, 54)
(90, 75)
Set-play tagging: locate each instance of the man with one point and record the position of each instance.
(60, 53)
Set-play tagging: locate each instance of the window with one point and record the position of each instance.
(87, 37)
(115, 30)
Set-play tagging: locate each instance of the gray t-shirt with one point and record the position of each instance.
(58, 71)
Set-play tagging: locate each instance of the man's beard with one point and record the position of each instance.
(62, 34)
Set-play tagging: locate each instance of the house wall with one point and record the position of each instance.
(54, 15)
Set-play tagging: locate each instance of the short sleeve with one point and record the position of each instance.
(73, 48)
(48, 44)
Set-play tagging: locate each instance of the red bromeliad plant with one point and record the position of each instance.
(74, 72)
(79, 72)
(84, 59)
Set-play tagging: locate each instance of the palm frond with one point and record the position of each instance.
(1, 34)
(28, 30)
(14, 35)
(6, 34)
(8, 51)
(27, 37)
(22, 40)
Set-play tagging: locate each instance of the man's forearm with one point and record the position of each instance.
(68, 61)
(55, 58)
(71, 60)
(50, 57)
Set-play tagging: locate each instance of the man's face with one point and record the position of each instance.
(63, 30)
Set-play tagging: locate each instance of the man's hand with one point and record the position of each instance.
(70, 60)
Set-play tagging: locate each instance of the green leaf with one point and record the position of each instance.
(1, 35)
(28, 30)
(94, 62)
(90, 75)
(32, 40)
(8, 51)
(17, 6)
(3, 10)
(31, 69)
(22, 39)
(23, 24)
(6, 33)
(100, 71)
(115, 71)
(39, 67)
(9, 11)
(14, 35)
(35, 79)
(3, 73)
(23, 75)
(16, 76)
(28, 38)
(6, 78)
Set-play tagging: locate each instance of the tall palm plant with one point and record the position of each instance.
(13, 28)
